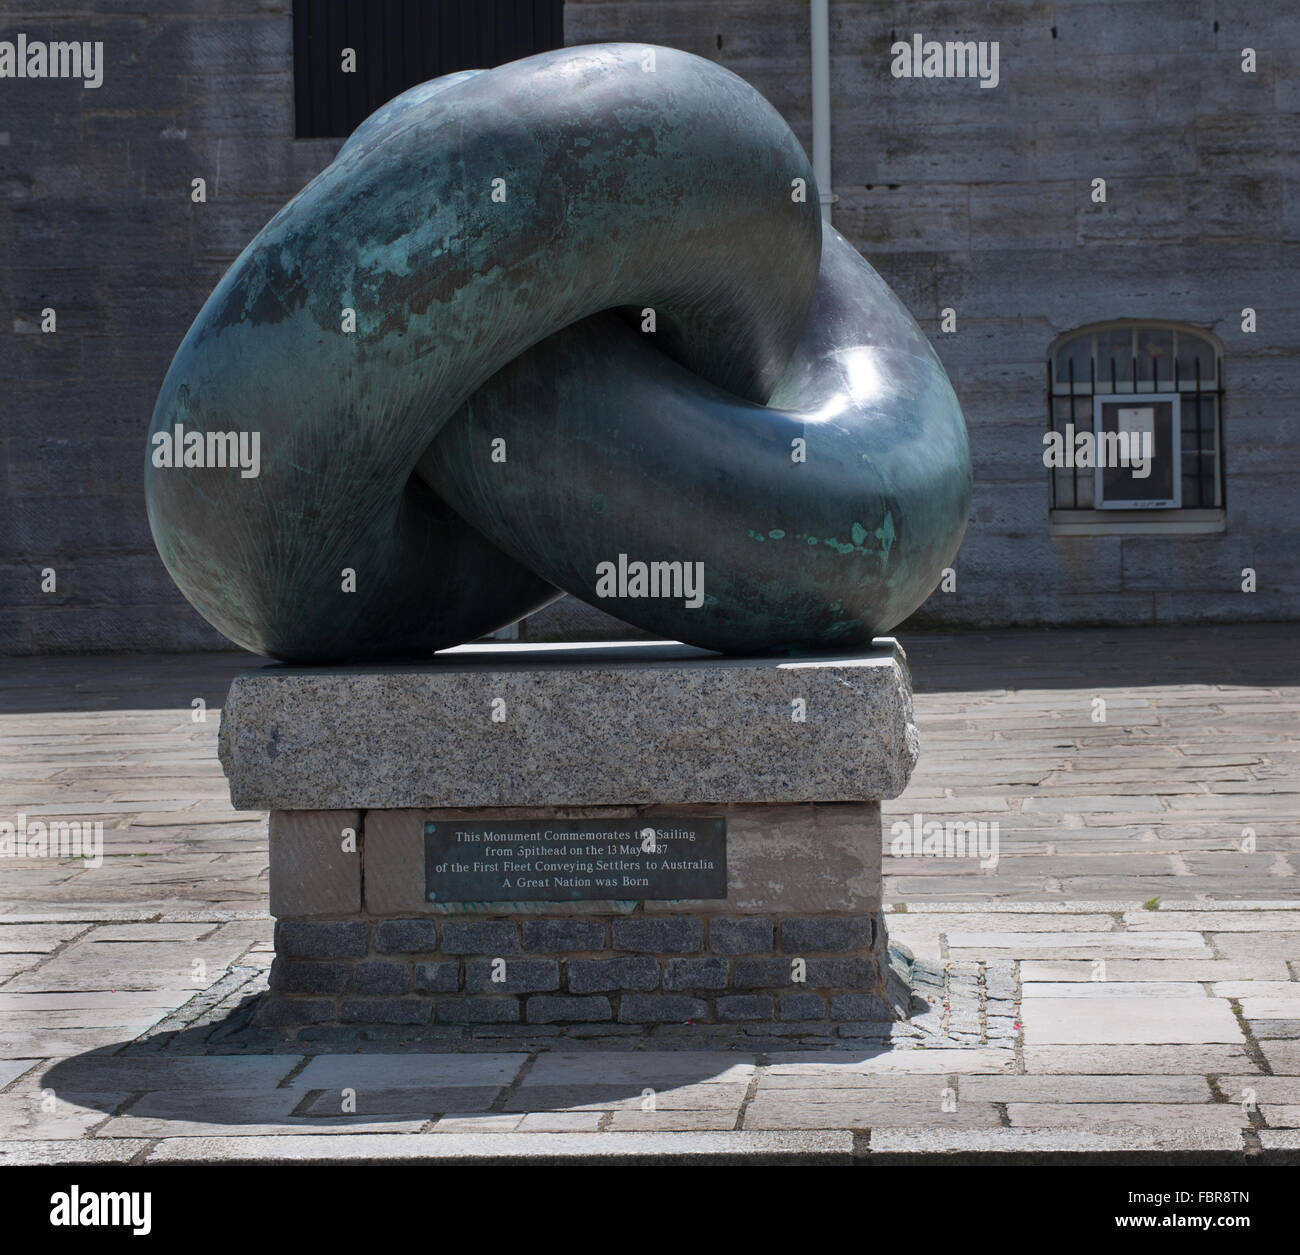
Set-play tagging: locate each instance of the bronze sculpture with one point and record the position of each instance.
(569, 324)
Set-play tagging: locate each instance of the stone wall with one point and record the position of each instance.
(588, 976)
(966, 198)
(979, 200)
(97, 222)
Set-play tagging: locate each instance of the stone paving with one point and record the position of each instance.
(1123, 980)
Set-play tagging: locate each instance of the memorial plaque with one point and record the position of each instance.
(559, 860)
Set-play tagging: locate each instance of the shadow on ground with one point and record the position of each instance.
(232, 1076)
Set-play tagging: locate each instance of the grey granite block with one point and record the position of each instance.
(860, 1007)
(379, 977)
(436, 978)
(762, 973)
(709, 973)
(661, 1008)
(808, 936)
(707, 729)
(547, 1010)
(802, 1007)
(741, 936)
(477, 1011)
(293, 976)
(658, 935)
(563, 934)
(587, 976)
(519, 976)
(327, 939)
(492, 936)
(406, 936)
(745, 1007)
(385, 1011)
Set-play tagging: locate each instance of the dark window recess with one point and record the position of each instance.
(399, 43)
(1126, 360)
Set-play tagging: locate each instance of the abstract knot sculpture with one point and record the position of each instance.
(556, 326)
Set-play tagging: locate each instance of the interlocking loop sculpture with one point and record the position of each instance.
(597, 323)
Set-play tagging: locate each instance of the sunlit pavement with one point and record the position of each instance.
(1117, 959)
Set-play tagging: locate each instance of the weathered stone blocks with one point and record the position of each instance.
(796, 947)
(630, 971)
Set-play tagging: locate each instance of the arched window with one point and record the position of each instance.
(1140, 386)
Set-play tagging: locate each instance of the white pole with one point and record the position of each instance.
(819, 20)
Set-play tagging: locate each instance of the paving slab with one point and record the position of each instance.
(1103, 1089)
(372, 1071)
(1166, 970)
(282, 1126)
(12, 964)
(1283, 946)
(1279, 989)
(479, 1122)
(1100, 1116)
(1038, 1141)
(653, 1068)
(1280, 1139)
(109, 1074)
(615, 1097)
(628, 1120)
(828, 1147)
(424, 1101)
(928, 1062)
(35, 938)
(1064, 945)
(12, 1069)
(1271, 1089)
(69, 1153)
(1001, 920)
(569, 1122)
(1216, 921)
(1111, 989)
(1139, 1060)
(46, 1042)
(793, 1111)
(1128, 1021)
(28, 1115)
(880, 1086)
(1281, 1117)
(1280, 1028)
(1283, 1056)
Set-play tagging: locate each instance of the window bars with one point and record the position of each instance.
(1194, 370)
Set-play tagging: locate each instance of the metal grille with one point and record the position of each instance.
(399, 43)
(1070, 400)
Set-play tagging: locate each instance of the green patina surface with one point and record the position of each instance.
(482, 319)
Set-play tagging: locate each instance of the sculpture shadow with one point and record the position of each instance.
(231, 1077)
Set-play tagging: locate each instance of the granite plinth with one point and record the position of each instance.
(782, 761)
(532, 725)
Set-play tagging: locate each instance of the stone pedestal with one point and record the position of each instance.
(510, 835)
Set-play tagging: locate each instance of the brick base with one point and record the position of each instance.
(829, 974)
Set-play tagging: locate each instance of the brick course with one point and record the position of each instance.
(625, 972)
